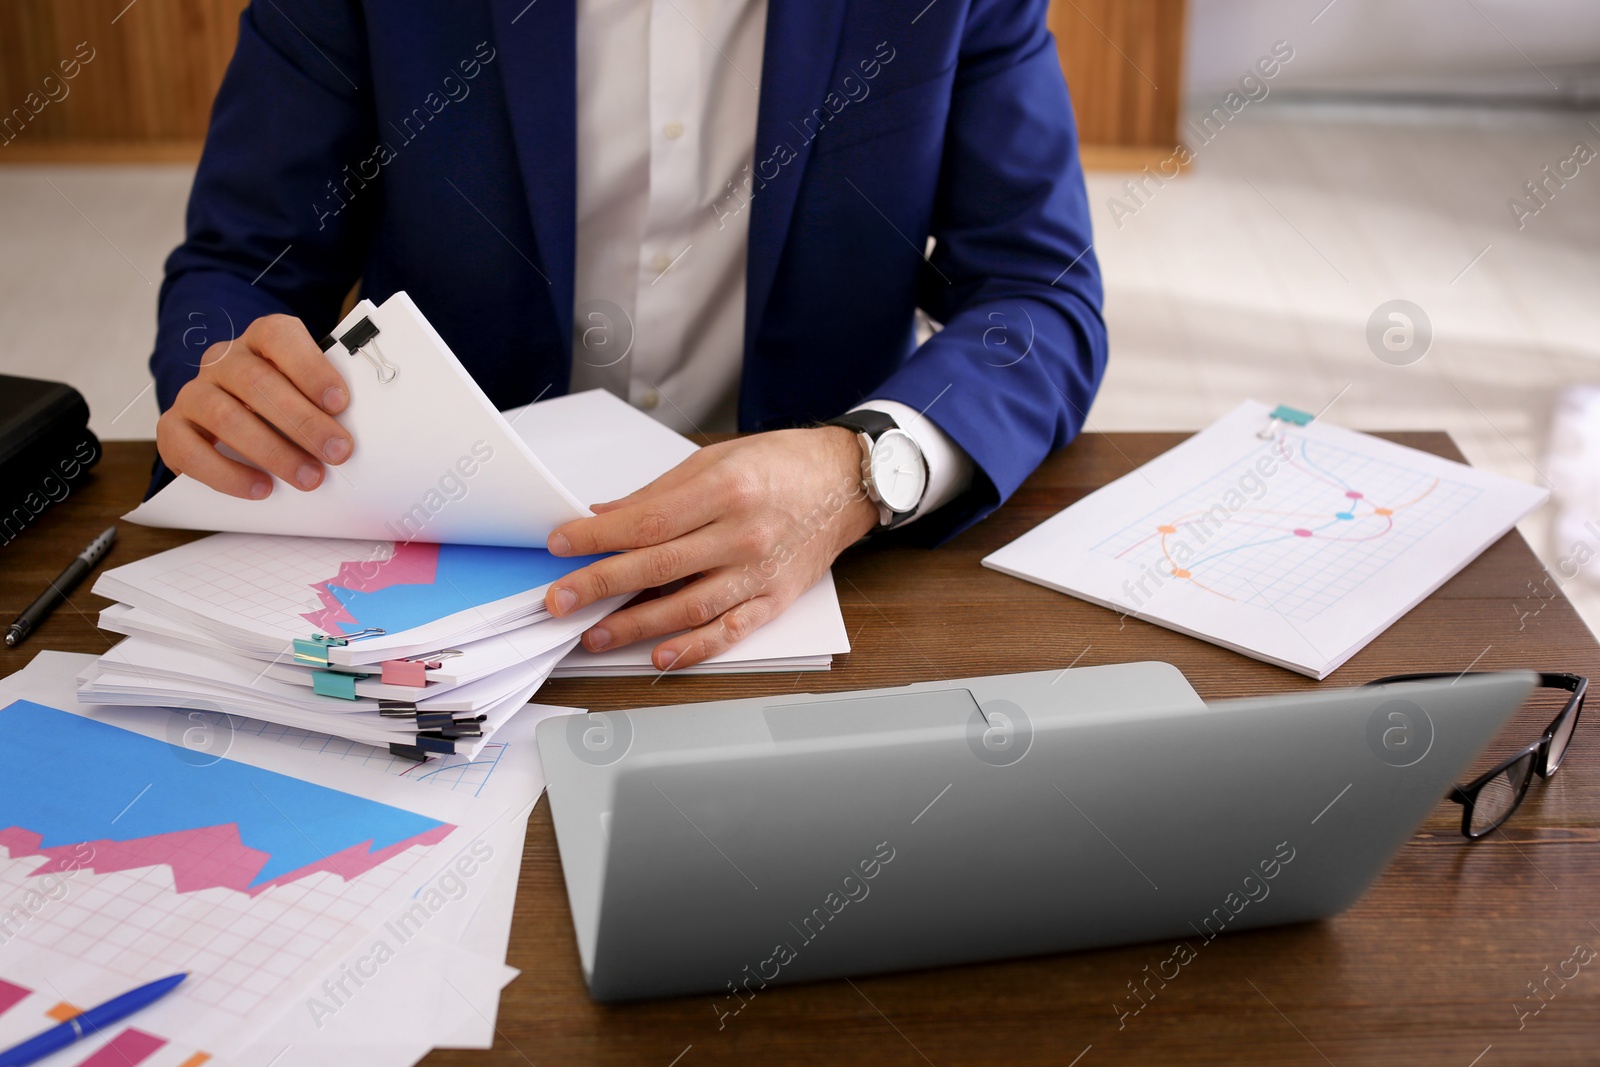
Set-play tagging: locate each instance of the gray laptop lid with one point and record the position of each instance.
(583, 754)
(872, 832)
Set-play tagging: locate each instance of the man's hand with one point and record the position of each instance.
(270, 395)
(752, 523)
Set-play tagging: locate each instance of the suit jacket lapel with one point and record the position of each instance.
(538, 46)
(802, 45)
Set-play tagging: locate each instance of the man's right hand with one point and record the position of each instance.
(270, 395)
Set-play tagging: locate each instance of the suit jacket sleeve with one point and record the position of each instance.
(1013, 276)
(270, 225)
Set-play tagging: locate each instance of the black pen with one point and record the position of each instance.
(65, 583)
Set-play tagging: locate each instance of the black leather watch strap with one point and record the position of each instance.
(868, 421)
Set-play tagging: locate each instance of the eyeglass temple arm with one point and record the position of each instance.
(1572, 683)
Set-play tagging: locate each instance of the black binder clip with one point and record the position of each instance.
(446, 720)
(435, 744)
(358, 341)
(410, 752)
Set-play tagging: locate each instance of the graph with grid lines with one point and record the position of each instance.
(1295, 541)
(243, 952)
(269, 580)
(156, 889)
(457, 773)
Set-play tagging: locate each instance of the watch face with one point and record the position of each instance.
(898, 472)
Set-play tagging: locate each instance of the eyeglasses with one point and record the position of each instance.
(1490, 798)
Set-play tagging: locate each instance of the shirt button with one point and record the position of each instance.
(672, 131)
(648, 400)
(660, 262)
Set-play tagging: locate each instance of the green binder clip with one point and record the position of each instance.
(314, 649)
(334, 684)
(1282, 415)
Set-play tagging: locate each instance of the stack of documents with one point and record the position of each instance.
(401, 604)
(333, 905)
(423, 648)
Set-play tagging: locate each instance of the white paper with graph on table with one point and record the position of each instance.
(1297, 548)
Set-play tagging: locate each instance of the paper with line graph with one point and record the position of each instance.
(1296, 549)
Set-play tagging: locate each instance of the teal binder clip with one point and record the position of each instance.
(334, 684)
(314, 650)
(1281, 415)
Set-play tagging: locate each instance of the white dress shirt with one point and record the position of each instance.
(668, 95)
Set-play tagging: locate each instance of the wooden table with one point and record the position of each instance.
(1431, 966)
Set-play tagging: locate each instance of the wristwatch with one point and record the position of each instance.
(892, 467)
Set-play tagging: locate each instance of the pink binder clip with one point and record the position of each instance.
(413, 672)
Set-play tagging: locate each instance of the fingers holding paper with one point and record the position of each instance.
(269, 395)
(751, 524)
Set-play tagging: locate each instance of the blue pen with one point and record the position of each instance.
(89, 1023)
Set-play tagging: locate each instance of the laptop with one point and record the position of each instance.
(730, 846)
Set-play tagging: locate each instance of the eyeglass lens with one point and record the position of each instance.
(1499, 795)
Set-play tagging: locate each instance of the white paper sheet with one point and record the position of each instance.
(1297, 550)
(433, 459)
(250, 954)
(598, 445)
(475, 923)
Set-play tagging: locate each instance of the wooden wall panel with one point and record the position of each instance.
(1124, 64)
(156, 66)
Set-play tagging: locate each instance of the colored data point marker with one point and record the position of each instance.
(1345, 515)
(1383, 511)
(1179, 572)
(1352, 494)
(1167, 529)
(1302, 532)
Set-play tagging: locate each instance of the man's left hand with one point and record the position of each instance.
(752, 523)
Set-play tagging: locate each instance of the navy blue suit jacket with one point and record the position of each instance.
(430, 147)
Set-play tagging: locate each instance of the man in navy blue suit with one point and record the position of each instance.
(725, 211)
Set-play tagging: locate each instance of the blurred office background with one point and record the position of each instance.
(1338, 155)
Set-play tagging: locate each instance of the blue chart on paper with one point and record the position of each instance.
(141, 803)
(421, 583)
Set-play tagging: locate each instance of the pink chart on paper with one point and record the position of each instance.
(205, 858)
(413, 563)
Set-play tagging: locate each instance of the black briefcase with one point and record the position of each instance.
(46, 449)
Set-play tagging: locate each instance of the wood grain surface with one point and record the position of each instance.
(1430, 966)
(1124, 64)
(146, 95)
(135, 74)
